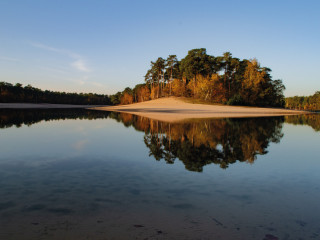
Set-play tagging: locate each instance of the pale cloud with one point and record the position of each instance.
(80, 65)
(84, 81)
(61, 71)
(78, 61)
(80, 81)
(8, 59)
(40, 45)
(57, 50)
(97, 84)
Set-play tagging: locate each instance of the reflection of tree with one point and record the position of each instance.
(312, 120)
(153, 143)
(201, 142)
(18, 117)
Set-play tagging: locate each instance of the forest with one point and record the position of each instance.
(198, 76)
(309, 103)
(222, 79)
(10, 93)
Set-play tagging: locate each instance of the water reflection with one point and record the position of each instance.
(312, 120)
(202, 142)
(112, 190)
(19, 117)
(196, 143)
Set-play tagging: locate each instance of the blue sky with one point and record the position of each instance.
(105, 46)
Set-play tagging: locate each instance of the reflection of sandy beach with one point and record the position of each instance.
(174, 109)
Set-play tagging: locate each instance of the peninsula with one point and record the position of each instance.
(172, 109)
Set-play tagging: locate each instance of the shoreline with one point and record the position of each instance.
(174, 109)
(171, 109)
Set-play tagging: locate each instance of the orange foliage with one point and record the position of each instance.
(126, 99)
(143, 94)
(154, 92)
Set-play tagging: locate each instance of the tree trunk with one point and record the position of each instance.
(170, 81)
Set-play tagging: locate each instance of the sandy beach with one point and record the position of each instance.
(42, 106)
(175, 109)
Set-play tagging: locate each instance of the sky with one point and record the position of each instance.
(106, 46)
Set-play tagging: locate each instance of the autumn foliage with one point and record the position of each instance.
(222, 79)
(309, 103)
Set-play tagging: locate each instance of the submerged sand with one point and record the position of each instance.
(176, 109)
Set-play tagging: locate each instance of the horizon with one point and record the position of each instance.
(105, 47)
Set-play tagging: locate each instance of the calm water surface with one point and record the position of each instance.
(78, 174)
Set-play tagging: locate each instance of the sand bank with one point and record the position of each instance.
(174, 109)
(42, 106)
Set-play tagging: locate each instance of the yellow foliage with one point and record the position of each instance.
(178, 88)
(253, 76)
(209, 88)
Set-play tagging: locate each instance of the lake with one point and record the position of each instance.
(81, 174)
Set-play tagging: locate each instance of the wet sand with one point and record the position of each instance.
(176, 109)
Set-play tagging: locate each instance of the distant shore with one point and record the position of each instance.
(168, 109)
(42, 106)
(175, 109)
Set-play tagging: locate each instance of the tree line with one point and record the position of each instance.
(222, 79)
(28, 94)
(309, 103)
